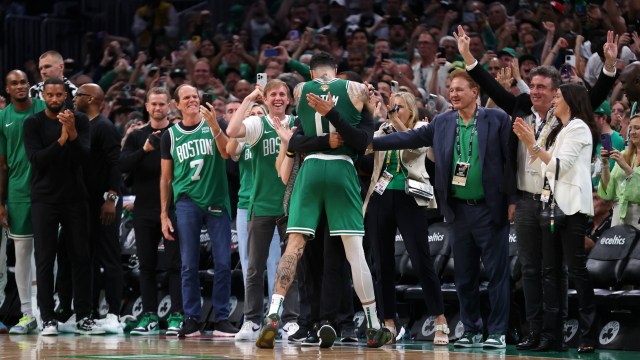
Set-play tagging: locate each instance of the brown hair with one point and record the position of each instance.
(274, 84)
(159, 91)
(459, 73)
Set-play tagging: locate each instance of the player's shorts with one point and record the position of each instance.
(19, 218)
(329, 183)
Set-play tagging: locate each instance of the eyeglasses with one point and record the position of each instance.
(81, 94)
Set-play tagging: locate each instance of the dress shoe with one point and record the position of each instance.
(585, 348)
(549, 345)
(529, 342)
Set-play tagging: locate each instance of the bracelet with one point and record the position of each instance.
(290, 154)
(536, 148)
(629, 177)
(218, 134)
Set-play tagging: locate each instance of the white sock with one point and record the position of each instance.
(276, 304)
(371, 313)
(24, 253)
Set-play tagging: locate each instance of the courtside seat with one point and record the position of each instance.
(631, 273)
(608, 258)
(515, 269)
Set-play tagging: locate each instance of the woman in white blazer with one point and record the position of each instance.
(572, 143)
(388, 207)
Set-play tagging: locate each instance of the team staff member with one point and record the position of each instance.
(103, 184)
(15, 171)
(140, 158)
(57, 144)
(193, 170)
(472, 165)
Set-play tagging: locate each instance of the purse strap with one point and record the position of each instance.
(555, 182)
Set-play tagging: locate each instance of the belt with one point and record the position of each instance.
(528, 195)
(471, 202)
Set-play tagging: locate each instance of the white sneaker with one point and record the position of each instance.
(50, 328)
(111, 324)
(86, 326)
(249, 331)
(68, 327)
(289, 329)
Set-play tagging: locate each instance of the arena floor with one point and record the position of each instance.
(159, 347)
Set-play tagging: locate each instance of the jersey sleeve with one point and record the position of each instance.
(165, 146)
(3, 139)
(253, 129)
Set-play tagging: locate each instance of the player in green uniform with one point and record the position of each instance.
(327, 180)
(16, 217)
(193, 170)
(265, 203)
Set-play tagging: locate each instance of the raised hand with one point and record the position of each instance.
(68, 121)
(284, 132)
(463, 45)
(611, 49)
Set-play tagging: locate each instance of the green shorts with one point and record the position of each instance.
(329, 185)
(19, 215)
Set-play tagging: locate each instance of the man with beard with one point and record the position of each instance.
(103, 183)
(141, 159)
(16, 173)
(57, 144)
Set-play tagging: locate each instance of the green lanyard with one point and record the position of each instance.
(388, 159)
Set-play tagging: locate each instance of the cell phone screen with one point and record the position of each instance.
(605, 140)
(207, 98)
(271, 52)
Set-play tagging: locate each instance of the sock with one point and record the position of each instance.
(276, 305)
(371, 314)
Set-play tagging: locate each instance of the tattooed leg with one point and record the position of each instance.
(286, 272)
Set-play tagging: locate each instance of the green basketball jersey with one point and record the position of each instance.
(199, 170)
(315, 125)
(12, 147)
(268, 189)
(246, 177)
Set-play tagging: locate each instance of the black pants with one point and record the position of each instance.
(567, 243)
(529, 237)
(73, 217)
(325, 289)
(105, 254)
(148, 229)
(392, 210)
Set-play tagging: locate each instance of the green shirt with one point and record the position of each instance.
(473, 190)
(268, 189)
(12, 148)
(199, 171)
(621, 190)
(396, 169)
(246, 177)
(313, 124)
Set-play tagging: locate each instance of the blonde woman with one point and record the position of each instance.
(388, 207)
(622, 184)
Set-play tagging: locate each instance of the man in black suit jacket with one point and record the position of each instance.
(472, 170)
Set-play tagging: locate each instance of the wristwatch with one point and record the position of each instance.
(112, 197)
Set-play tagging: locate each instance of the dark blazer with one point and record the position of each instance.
(494, 129)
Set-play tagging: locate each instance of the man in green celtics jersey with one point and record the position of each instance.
(15, 171)
(327, 181)
(193, 171)
(265, 201)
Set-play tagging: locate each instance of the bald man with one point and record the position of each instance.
(103, 185)
(51, 65)
(16, 216)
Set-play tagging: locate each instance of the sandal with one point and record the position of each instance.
(441, 339)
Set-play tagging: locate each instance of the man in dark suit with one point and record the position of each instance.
(472, 169)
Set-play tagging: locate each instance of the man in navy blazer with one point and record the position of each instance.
(472, 170)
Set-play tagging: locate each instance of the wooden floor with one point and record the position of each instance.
(159, 347)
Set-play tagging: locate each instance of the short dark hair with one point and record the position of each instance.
(53, 81)
(322, 59)
(547, 71)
